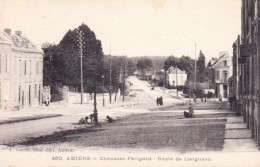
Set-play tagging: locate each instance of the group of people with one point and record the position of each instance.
(159, 101)
(84, 120)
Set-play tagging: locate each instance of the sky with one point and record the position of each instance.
(131, 27)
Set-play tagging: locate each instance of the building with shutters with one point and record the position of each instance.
(246, 70)
(222, 73)
(21, 71)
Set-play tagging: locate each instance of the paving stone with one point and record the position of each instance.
(235, 119)
(230, 126)
(238, 134)
(240, 145)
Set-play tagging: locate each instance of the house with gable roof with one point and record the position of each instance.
(222, 73)
(21, 71)
(176, 77)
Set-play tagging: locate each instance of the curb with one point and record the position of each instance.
(29, 119)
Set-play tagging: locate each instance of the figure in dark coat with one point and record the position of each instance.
(109, 119)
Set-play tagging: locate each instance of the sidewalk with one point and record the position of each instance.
(237, 137)
(55, 110)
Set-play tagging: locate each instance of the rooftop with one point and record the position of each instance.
(17, 40)
(172, 70)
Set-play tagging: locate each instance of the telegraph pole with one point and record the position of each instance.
(177, 80)
(189, 92)
(124, 78)
(110, 82)
(195, 79)
(103, 77)
(164, 83)
(81, 67)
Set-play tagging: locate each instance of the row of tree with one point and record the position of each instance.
(61, 64)
(185, 63)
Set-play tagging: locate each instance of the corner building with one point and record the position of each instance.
(21, 72)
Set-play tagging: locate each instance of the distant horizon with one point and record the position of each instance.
(133, 28)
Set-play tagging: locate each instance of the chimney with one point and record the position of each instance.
(7, 31)
(18, 33)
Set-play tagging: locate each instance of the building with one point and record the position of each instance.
(221, 74)
(234, 80)
(176, 77)
(21, 71)
(246, 71)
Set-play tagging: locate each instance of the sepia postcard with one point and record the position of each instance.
(117, 83)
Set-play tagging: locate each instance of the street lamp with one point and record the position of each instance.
(103, 77)
(95, 112)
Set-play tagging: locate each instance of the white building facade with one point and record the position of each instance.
(176, 77)
(21, 72)
(222, 69)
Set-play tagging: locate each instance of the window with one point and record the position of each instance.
(30, 68)
(19, 96)
(37, 67)
(35, 90)
(217, 75)
(225, 62)
(25, 67)
(225, 76)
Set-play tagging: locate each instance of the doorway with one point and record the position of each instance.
(30, 103)
(225, 88)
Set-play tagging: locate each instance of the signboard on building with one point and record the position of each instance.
(247, 49)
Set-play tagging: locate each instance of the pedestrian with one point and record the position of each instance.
(157, 101)
(109, 119)
(220, 97)
(161, 101)
(86, 118)
(194, 98)
(191, 111)
(91, 117)
(186, 114)
(82, 121)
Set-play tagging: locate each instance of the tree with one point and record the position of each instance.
(52, 67)
(62, 61)
(201, 67)
(187, 64)
(170, 61)
(143, 65)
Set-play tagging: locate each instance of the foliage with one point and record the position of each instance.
(201, 67)
(62, 61)
(143, 65)
(116, 70)
(171, 61)
(157, 61)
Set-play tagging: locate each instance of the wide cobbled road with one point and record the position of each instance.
(155, 130)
